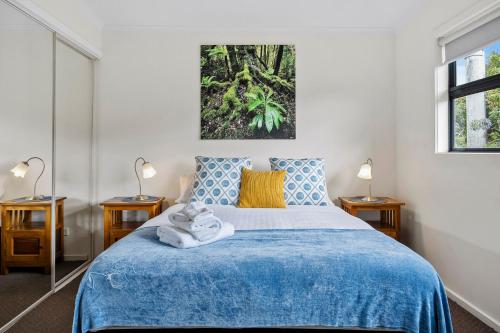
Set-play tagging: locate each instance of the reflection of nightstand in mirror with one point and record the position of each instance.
(115, 226)
(27, 239)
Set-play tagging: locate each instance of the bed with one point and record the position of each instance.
(299, 267)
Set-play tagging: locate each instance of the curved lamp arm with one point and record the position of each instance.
(370, 162)
(137, 174)
(365, 172)
(41, 173)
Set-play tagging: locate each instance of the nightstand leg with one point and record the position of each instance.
(108, 219)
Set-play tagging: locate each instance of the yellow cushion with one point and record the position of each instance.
(262, 189)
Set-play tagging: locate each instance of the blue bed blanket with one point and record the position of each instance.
(263, 278)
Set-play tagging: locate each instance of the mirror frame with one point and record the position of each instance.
(61, 33)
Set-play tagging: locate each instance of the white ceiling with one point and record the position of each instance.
(259, 14)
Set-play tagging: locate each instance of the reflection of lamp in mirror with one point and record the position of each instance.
(148, 171)
(365, 172)
(21, 169)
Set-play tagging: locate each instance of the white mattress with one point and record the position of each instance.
(292, 217)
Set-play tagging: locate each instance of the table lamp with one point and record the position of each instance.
(365, 172)
(148, 171)
(21, 169)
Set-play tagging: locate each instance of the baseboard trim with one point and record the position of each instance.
(485, 318)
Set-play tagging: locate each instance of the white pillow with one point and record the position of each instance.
(186, 188)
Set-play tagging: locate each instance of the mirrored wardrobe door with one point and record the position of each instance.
(26, 110)
(73, 159)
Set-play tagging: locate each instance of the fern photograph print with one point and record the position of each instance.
(247, 92)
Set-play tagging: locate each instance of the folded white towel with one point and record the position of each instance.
(201, 222)
(201, 230)
(182, 239)
(196, 211)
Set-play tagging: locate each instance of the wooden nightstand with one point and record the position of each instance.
(114, 225)
(25, 242)
(390, 213)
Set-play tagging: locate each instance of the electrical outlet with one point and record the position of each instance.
(66, 231)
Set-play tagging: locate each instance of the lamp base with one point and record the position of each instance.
(370, 199)
(141, 197)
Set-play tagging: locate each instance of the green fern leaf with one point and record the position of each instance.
(276, 116)
(253, 123)
(269, 120)
(259, 120)
(276, 105)
(254, 105)
(250, 95)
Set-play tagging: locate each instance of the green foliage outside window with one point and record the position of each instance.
(492, 102)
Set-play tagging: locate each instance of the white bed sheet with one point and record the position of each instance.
(292, 217)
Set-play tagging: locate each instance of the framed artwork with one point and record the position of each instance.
(247, 92)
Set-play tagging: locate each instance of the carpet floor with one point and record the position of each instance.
(55, 315)
(22, 287)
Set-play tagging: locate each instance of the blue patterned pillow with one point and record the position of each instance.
(305, 182)
(217, 180)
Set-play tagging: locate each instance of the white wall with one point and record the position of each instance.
(25, 102)
(148, 103)
(451, 216)
(73, 125)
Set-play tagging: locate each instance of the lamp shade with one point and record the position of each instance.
(148, 171)
(365, 171)
(20, 169)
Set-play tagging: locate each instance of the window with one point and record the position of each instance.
(474, 101)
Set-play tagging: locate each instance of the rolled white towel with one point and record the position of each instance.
(184, 240)
(202, 230)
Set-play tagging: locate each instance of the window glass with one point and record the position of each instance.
(477, 120)
(486, 62)
(474, 95)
